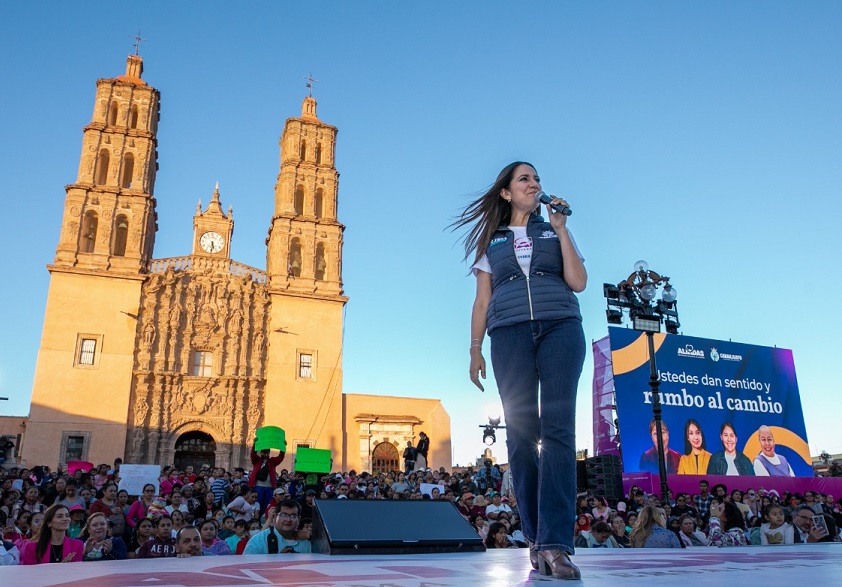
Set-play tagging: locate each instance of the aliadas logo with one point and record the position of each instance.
(714, 356)
(689, 351)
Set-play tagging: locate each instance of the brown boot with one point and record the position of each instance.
(533, 556)
(557, 563)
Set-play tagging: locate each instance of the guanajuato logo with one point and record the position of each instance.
(689, 351)
(725, 356)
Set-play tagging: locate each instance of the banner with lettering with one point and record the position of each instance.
(728, 408)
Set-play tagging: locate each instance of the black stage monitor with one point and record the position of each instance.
(351, 526)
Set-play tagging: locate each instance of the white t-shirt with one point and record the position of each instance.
(182, 507)
(732, 465)
(250, 511)
(496, 509)
(523, 251)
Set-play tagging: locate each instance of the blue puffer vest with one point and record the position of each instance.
(543, 294)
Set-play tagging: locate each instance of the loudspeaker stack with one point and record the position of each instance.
(605, 477)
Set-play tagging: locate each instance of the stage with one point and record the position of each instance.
(816, 565)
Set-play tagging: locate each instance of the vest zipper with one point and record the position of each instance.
(529, 295)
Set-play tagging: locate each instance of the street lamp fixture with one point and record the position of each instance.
(636, 294)
(489, 435)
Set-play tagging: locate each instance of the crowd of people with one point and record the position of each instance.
(711, 517)
(51, 517)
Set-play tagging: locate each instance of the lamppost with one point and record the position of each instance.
(637, 295)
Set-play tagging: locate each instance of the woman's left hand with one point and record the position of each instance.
(477, 367)
(557, 219)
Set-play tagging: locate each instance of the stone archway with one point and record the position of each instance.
(384, 458)
(195, 448)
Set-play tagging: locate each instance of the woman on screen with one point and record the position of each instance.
(768, 463)
(729, 461)
(696, 457)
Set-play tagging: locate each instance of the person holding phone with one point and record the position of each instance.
(728, 516)
(806, 531)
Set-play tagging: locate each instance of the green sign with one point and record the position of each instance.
(271, 437)
(312, 460)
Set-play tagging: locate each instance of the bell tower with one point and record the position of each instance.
(109, 219)
(304, 270)
(305, 239)
(213, 229)
(81, 389)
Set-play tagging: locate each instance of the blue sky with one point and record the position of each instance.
(705, 138)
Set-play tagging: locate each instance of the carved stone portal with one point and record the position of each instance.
(201, 334)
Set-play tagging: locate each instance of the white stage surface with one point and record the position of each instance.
(814, 565)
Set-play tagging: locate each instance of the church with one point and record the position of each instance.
(180, 360)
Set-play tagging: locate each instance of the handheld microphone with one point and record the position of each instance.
(560, 208)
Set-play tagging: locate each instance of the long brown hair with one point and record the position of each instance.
(46, 533)
(487, 212)
(646, 520)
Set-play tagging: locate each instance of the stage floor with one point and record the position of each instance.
(814, 565)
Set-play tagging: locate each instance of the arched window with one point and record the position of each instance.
(299, 200)
(133, 117)
(318, 204)
(384, 458)
(128, 171)
(112, 113)
(121, 235)
(302, 152)
(89, 226)
(102, 168)
(294, 268)
(321, 264)
(318, 154)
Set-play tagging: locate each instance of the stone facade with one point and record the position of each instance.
(140, 354)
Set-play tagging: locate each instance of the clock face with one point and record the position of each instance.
(212, 242)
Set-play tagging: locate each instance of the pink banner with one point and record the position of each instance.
(605, 439)
(650, 483)
(84, 466)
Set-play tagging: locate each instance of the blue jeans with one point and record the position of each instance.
(549, 353)
(264, 496)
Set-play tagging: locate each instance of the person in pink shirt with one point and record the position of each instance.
(53, 544)
(140, 508)
(101, 477)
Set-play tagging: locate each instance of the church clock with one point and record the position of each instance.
(212, 242)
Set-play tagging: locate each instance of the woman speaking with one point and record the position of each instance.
(527, 270)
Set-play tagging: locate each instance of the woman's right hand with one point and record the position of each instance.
(477, 367)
